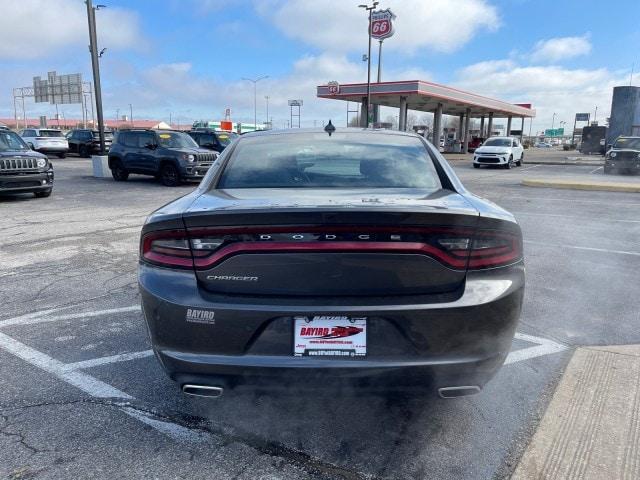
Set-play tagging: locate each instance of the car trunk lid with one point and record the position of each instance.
(333, 242)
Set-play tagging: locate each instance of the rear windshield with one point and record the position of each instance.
(317, 160)
(498, 142)
(107, 135)
(50, 133)
(633, 143)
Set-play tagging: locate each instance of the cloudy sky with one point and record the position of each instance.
(187, 58)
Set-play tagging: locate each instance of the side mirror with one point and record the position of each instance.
(609, 146)
(150, 146)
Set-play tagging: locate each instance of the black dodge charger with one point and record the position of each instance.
(322, 258)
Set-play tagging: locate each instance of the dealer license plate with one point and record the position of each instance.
(330, 336)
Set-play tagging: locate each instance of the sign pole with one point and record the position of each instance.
(573, 134)
(369, 69)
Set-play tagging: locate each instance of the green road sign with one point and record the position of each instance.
(554, 132)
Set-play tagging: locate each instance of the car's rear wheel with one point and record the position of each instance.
(169, 175)
(62, 154)
(43, 194)
(519, 162)
(118, 172)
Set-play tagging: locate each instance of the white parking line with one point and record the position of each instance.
(96, 362)
(576, 247)
(595, 170)
(83, 381)
(170, 429)
(41, 317)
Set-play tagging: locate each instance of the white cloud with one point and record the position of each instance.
(338, 25)
(561, 48)
(551, 89)
(31, 29)
(177, 88)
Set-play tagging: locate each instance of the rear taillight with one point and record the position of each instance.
(168, 248)
(456, 247)
(493, 248)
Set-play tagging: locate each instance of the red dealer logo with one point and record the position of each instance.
(333, 332)
(382, 24)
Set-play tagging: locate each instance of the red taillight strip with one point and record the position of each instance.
(359, 247)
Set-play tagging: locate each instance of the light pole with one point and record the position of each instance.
(131, 114)
(369, 9)
(255, 98)
(266, 97)
(553, 120)
(93, 48)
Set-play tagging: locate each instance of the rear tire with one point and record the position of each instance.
(62, 155)
(43, 194)
(118, 172)
(169, 175)
(83, 151)
(519, 162)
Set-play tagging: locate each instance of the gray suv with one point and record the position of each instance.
(169, 155)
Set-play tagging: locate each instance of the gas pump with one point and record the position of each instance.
(452, 143)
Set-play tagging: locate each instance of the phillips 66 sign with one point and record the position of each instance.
(382, 24)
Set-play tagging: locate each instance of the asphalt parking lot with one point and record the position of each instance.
(82, 396)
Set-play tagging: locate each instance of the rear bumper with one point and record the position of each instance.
(52, 149)
(411, 345)
(33, 182)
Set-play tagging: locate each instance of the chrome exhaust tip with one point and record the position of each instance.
(455, 392)
(202, 390)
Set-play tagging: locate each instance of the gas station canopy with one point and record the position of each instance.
(425, 96)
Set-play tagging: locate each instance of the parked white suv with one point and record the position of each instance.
(502, 151)
(46, 140)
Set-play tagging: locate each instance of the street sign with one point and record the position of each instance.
(334, 88)
(554, 132)
(295, 103)
(582, 117)
(382, 24)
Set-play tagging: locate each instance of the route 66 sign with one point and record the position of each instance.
(382, 24)
(334, 88)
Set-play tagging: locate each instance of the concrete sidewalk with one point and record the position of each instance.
(591, 429)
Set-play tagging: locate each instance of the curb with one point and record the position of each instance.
(582, 185)
(592, 425)
(577, 162)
